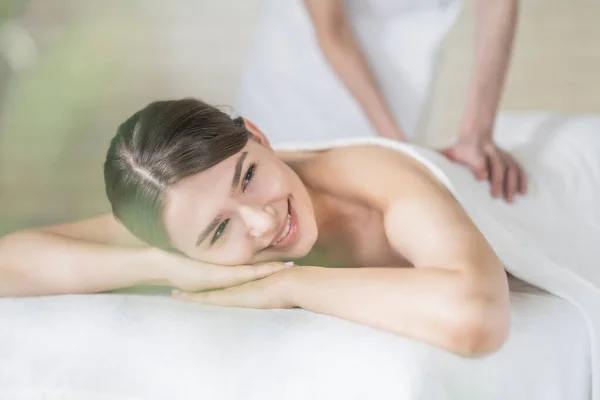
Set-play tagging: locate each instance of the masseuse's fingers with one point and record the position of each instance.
(497, 172)
(511, 181)
(523, 181)
(475, 160)
(479, 168)
(516, 181)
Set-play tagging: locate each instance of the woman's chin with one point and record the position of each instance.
(306, 245)
(301, 249)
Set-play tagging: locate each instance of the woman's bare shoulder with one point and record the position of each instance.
(373, 173)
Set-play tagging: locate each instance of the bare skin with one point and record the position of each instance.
(354, 235)
(364, 206)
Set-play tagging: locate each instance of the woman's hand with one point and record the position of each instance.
(269, 292)
(190, 275)
(489, 162)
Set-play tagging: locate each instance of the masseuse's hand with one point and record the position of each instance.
(489, 162)
(191, 275)
(269, 292)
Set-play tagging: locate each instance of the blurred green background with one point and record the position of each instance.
(61, 98)
(71, 71)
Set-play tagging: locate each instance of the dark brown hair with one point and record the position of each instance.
(157, 147)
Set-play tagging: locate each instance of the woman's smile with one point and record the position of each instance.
(289, 230)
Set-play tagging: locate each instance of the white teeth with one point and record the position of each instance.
(286, 230)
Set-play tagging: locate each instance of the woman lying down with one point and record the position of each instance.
(202, 203)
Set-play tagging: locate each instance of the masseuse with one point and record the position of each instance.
(325, 69)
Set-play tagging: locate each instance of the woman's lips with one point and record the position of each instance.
(292, 233)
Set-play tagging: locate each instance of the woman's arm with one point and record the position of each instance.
(434, 305)
(39, 262)
(337, 42)
(99, 254)
(457, 296)
(93, 255)
(462, 307)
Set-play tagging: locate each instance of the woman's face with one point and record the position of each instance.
(247, 209)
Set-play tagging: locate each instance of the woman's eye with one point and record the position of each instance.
(249, 175)
(220, 230)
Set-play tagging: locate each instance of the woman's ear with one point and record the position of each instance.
(257, 134)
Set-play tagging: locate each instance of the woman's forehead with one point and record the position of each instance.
(195, 200)
(211, 177)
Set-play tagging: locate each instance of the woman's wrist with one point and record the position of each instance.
(294, 283)
(157, 267)
(289, 284)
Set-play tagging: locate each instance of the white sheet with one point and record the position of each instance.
(117, 346)
(150, 347)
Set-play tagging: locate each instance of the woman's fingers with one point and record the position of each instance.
(192, 275)
(261, 293)
(232, 276)
(238, 296)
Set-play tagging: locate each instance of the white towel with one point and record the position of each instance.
(549, 238)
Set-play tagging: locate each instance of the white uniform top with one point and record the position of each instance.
(291, 93)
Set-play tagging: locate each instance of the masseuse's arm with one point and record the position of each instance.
(455, 298)
(99, 254)
(335, 37)
(495, 32)
(475, 147)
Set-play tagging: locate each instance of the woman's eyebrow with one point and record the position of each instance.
(237, 174)
(238, 171)
(213, 224)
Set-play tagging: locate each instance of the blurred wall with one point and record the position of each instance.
(555, 65)
(91, 64)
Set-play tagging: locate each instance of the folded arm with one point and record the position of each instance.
(86, 256)
(455, 298)
(434, 305)
(98, 255)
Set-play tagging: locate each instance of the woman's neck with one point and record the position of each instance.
(323, 203)
(325, 210)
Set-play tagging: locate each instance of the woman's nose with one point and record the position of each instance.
(260, 221)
